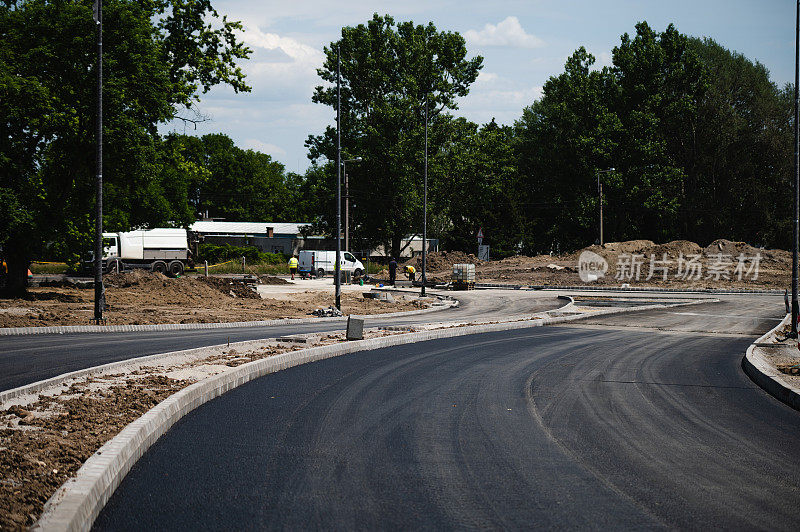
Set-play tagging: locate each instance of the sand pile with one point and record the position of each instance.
(442, 261)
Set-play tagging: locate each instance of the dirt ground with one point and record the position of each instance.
(715, 266)
(36, 461)
(142, 297)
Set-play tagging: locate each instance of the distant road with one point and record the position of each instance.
(610, 425)
(26, 359)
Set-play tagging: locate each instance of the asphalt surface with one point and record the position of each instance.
(623, 426)
(27, 359)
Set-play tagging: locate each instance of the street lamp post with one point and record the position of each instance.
(99, 292)
(796, 231)
(337, 264)
(347, 201)
(425, 207)
(600, 194)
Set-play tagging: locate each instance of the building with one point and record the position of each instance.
(267, 237)
(287, 238)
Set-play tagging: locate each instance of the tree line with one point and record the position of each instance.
(699, 136)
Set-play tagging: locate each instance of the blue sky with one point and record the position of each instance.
(523, 43)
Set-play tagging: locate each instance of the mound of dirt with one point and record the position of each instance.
(440, 261)
(727, 247)
(137, 277)
(231, 287)
(271, 279)
(629, 246)
(676, 248)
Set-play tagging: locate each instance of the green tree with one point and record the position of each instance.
(740, 163)
(159, 55)
(561, 142)
(245, 185)
(388, 72)
(479, 189)
(639, 116)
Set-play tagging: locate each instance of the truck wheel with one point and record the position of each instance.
(357, 273)
(159, 267)
(320, 273)
(114, 266)
(176, 268)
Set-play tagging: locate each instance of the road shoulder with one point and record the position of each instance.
(765, 356)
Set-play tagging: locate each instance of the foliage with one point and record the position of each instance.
(158, 54)
(216, 254)
(389, 74)
(698, 136)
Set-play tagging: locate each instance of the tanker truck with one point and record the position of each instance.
(165, 251)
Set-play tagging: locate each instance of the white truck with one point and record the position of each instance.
(321, 263)
(158, 250)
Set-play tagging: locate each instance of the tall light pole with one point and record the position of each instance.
(796, 235)
(337, 267)
(347, 201)
(600, 194)
(425, 206)
(99, 292)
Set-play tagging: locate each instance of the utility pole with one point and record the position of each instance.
(337, 267)
(347, 201)
(99, 291)
(346, 211)
(425, 205)
(600, 194)
(796, 236)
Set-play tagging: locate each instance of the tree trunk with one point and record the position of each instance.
(15, 283)
(396, 241)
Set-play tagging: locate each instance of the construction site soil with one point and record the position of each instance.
(686, 265)
(141, 297)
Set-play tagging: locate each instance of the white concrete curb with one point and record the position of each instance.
(66, 329)
(767, 377)
(76, 504)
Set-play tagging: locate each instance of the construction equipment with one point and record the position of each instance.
(463, 277)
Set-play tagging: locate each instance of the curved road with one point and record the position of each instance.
(27, 359)
(611, 424)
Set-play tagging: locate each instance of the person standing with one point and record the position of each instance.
(392, 271)
(293, 266)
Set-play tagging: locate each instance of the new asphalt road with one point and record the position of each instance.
(625, 423)
(27, 359)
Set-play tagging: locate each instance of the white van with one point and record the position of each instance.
(321, 263)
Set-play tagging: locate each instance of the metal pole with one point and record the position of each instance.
(796, 236)
(337, 272)
(425, 205)
(99, 289)
(346, 208)
(600, 186)
(600, 201)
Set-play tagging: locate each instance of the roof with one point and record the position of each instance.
(247, 228)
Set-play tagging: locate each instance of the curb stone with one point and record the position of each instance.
(763, 374)
(66, 329)
(76, 504)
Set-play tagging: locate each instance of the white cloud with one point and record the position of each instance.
(487, 77)
(280, 64)
(263, 147)
(509, 32)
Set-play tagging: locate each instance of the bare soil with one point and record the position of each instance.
(774, 269)
(142, 297)
(36, 461)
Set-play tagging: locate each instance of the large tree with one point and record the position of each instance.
(159, 55)
(389, 73)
